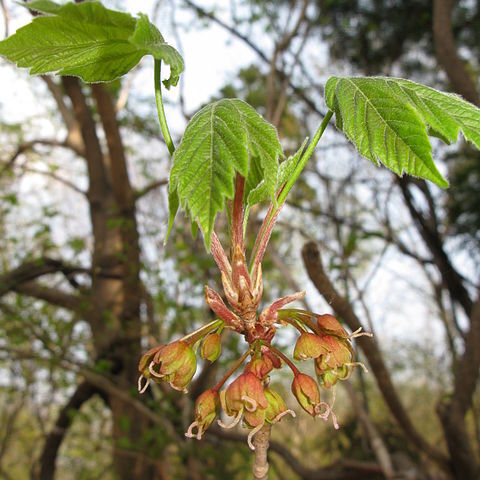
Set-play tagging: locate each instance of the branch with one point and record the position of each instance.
(452, 411)
(6, 17)
(54, 439)
(57, 178)
(93, 152)
(50, 295)
(282, 75)
(261, 444)
(447, 51)
(151, 186)
(341, 470)
(313, 264)
(33, 269)
(376, 441)
(431, 237)
(74, 135)
(118, 163)
(25, 147)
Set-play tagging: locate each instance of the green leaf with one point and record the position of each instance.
(87, 40)
(388, 121)
(223, 138)
(260, 192)
(43, 6)
(149, 40)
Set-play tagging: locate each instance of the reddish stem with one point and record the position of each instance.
(264, 236)
(231, 371)
(278, 353)
(238, 213)
(220, 256)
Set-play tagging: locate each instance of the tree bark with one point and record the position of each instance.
(447, 52)
(114, 303)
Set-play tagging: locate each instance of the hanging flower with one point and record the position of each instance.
(307, 394)
(277, 408)
(206, 409)
(174, 363)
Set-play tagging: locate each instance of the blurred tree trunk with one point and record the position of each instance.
(113, 302)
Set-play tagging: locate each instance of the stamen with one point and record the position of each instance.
(250, 403)
(281, 415)
(235, 421)
(357, 364)
(189, 433)
(334, 419)
(252, 434)
(147, 383)
(358, 333)
(179, 389)
(326, 413)
(153, 372)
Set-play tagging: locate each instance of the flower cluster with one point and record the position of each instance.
(249, 396)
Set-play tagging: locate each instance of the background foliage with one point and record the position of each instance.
(87, 285)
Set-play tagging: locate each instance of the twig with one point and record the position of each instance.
(261, 444)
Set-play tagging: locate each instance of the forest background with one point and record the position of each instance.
(86, 284)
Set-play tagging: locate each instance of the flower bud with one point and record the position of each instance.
(339, 353)
(329, 325)
(174, 363)
(211, 347)
(307, 393)
(277, 407)
(309, 345)
(245, 396)
(260, 366)
(206, 408)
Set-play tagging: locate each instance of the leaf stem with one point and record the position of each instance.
(202, 331)
(274, 210)
(161, 113)
(304, 158)
(231, 371)
(237, 213)
(301, 316)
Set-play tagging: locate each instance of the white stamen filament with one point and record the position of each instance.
(179, 389)
(189, 433)
(334, 419)
(357, 364)
(153, 372)
(281, 415)
(358, 333)
(326, 413)
(147, 383)
(252, 434)
(250, 403)
(235, 421)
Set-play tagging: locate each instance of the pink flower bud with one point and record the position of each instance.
(245, 396)
(211, 347)
(339, 353)
(174, 363)
(307, 393)
(309, 345)
(329, 325)
(206, 408)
